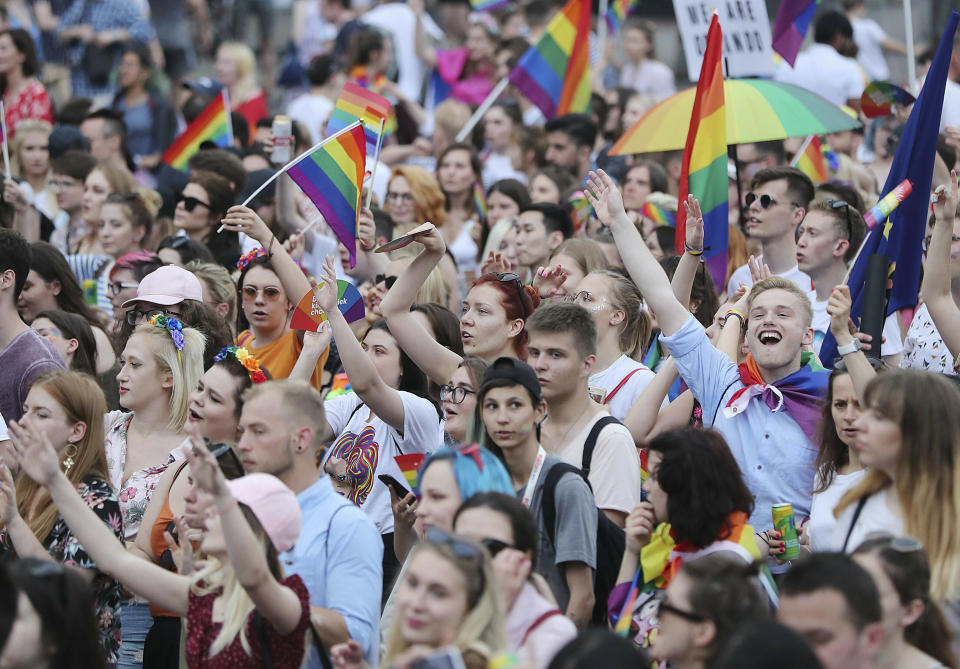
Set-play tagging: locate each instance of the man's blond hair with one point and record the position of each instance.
(779, 283)
(302, 404)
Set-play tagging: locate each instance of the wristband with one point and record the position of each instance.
(734, 312)
(852, 347)
(693, 252)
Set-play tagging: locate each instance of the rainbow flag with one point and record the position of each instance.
(791, 25)
(554, 73)
(810, 160)
(480, 201)
(487, 5)
(213, 125)
(356, 103)
(580, 210)
(331, 175)
(618, 12)
(704, 169)
(658, 215)
(409, 465)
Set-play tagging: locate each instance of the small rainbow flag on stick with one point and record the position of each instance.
(618, 12)
(658, 215)
(580, 210)
(213, 125)
(488, 5)
(810, 160)
(409, 465)
(554, 73)
(480, 201)
(357, 103)
(331, 175)
(791, 25)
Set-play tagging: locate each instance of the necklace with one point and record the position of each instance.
(572, 425)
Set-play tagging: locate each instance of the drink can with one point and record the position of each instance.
(784, 523)
(282, 140)
(90, 291)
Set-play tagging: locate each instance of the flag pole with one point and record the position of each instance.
(6, 150)
(911, 53)
(803, 147)
(482, 109)
(376, 162)
(293, 162)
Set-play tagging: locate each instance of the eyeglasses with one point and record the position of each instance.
(494, 546)
(191, 203)
(664, 606)
(114, 287)
(462, 549)
(63, 184)
(388, 281)
(925, 244)
(765, 200)
(134, 316)
(836, 204)
(403, 197)
(454, 394)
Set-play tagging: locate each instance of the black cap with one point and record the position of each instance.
(514, 370)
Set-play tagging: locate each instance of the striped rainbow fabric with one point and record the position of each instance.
(810, 160)
(791, 25)
(358, 103)
(554, 73)
(332, 177)
(212, 125)
(704, 171)
(618, 12)
(480, 201)
(658, 215)
(487, 5)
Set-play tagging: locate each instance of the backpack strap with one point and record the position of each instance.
(853, 521)
(620, 385)
(539, 621)
(548, 507)
(591, 442)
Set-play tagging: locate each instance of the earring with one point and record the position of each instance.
(69, 460)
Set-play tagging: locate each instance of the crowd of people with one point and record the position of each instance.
(552, 440)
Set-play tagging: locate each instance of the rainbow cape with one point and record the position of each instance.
(791, 25)
(213, 125)
(554, 73)
(618, 12)
(810, 160)
(356, 103)
(331, 175)
(409, 465)
(704, 169)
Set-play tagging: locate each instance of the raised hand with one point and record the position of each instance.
(495, 263)
(694, 227)
(206, 470)
(366, 229)
(245, 220)
(180, 549)
(295, 245)
(34, 452)
(8, 496)
(348, 655)
(404, 509)
(838, 307)
(325, 293)
(944, 200)
(758, 270)
(604, 196)
(549, 280)
(317, 342)
(512, 568)
(432, 240)
(640, 525)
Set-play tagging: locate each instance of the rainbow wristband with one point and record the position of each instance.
(693, 252)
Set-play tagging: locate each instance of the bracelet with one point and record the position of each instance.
(693, 252)
(273, 238)
(222, 510)
(734, 312)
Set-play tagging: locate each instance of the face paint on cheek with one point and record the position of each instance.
(527, 428)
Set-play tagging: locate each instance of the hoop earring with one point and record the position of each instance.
(69, 460)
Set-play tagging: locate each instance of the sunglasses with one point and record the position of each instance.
(494, 546)
(510, 277)
(925, 244)
(191, 203)
(462, 549)
(665, 607)
(135, 316)
(837, 204)
(765, 200)
(454, 394)
(114, 287)
(388, 281)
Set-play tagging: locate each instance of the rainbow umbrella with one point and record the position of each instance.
(757, 110)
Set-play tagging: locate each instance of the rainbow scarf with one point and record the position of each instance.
(801, 393)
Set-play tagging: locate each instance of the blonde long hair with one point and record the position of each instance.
(927, 409)
(185, 365)
(25, 127)
(246, 64)
(480, 635)
(82, 401)
(428, 199)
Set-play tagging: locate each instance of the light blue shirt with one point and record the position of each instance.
(339, 556)
(774, 454)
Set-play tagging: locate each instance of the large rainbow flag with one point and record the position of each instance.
(810, 160)
(554, 73)
(791, 25)
(332, 177)
(704, 171)
(358, 103)
(618, 12)
(213, 125)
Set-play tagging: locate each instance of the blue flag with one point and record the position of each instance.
(901, 237)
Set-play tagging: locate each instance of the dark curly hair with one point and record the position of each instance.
(703, 484)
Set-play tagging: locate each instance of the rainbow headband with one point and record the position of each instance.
(174, 327)
(243, 356)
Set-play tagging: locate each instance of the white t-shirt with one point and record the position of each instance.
(614, 469)
(651, 77)
(820, 529)
(823, 70)
(951, 105)
(881, 513)
(868, 35)
(821, 325)
(399, 20)
(611, 377)
(742, 275)
(4, 435)
(923, 347)
(313, 111)
(369, 447)
(497, 166)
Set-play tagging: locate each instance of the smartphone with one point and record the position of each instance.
(445, 658)
(228, 460)
(394, 484)
(598, 393)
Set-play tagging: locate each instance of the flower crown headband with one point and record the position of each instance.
(174, 327)
(249, 257)
(243, 356)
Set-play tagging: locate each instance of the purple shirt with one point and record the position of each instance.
(26, 358)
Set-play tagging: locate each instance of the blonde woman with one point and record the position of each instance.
(30, 162)
(255, 518)
(68, 408)
(448, 596)
(219, 290)
(236, 69)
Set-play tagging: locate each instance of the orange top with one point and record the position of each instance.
(279, 357)
(158, 545)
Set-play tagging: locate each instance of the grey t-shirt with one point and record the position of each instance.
(576, 529)
(27, 357)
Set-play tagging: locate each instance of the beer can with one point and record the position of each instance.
(90, 291)
(785, 524)
(282, 140)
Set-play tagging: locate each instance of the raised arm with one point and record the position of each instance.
(19, 533)
(686, 273)
(425, 50)
(276, 602)
(38, 460)
(364, 377)
(639, 262)
(437, 362)
(935, 288)
(857, 364)
(643, 414)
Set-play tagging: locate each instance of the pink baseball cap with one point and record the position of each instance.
(274, 505)
(168, 285)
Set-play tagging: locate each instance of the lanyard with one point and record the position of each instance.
(534, 476)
